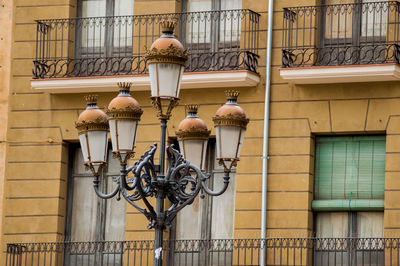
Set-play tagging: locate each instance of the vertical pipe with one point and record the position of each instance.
(266, 135)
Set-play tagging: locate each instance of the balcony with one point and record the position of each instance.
(355, 42)
(280, 251)
(218, 42)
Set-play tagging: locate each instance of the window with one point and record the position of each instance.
(213, 38)
(104, 36)
(349, 236)
(353, 32)
(348, 198)
(89, 217)
(203, 32)
(208, 218)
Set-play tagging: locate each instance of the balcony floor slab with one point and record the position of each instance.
(341, 74)
(190, 80)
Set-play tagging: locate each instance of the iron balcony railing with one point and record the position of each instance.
(341, 34)
(279, 251)
(104, 46)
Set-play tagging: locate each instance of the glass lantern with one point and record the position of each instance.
(230, 125)
(193, 137)
(92, 126)
(124, 114)
(166, 60)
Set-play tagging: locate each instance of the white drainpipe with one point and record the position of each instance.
(263, 256)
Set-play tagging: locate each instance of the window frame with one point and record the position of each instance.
(217, 43)
(101, 214)
(205, 253)
(108, 47)
(350, 246)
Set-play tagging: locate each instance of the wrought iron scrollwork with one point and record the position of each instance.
(235, 49)
(327, 36)
(181, 184)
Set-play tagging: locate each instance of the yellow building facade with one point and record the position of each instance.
(5, 63)
(334, 79)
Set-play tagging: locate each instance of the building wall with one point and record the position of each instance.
(6, 8)
(41, 127)
(301, 112)
(36, 165)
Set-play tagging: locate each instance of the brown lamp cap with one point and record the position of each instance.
(167, 48)
(93, 118)
(231, 114)
(124, 106)
(192, 127)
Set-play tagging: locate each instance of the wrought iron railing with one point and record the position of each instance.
(279, 251)
(104, 46)
(341, 34)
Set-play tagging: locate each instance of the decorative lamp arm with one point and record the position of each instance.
(146, 159)
(100, 193)
(146, 213)
(136, 168)
(217, 193)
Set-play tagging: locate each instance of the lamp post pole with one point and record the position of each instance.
(159, 229)
(183, 178)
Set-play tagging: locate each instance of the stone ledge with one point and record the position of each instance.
(190, 80)
(341, 74)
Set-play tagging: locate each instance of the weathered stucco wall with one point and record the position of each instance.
(298, 114)
(6, 8)
(41, 126)
(36, 163)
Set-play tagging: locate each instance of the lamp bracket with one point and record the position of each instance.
(181, 184)
(164, 112)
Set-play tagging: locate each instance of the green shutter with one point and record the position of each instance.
(349, 168)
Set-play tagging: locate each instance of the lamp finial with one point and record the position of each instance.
(124, 85)
(91, 99)
(232, 94)
(167, 27)
(192, 108)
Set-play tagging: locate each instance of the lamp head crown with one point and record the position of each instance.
(92, 118)
(167, 49)
(231, 114)
(124, 106)
(192, 127)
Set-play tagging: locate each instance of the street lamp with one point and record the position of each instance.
(124, 114)
(193, 137)
(92, 126)
(184, 177)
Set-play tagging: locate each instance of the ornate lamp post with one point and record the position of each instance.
(183, 179)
